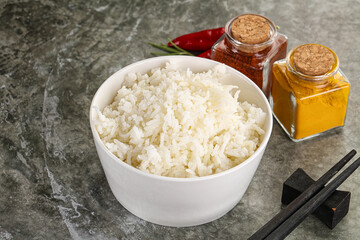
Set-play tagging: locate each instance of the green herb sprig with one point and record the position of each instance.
(175, 50)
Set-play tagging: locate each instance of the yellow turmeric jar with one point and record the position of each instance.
(309, 94)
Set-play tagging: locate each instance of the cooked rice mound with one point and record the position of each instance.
(177, 123)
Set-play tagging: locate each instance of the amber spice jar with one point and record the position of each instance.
(251, 44)
(309, 93)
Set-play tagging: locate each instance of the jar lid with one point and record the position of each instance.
(250, 29)
(313, 59)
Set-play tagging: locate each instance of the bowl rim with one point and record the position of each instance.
(261, 148)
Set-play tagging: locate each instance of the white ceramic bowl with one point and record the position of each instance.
(178, 201)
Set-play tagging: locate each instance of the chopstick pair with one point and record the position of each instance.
(290, 217)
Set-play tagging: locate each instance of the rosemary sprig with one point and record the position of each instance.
(178, 48)
(169, 50)
(164, 47)
(166, 54)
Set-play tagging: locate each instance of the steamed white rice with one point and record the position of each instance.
(177, 123)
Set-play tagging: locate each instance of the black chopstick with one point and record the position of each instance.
(294, 220)
(301, 199)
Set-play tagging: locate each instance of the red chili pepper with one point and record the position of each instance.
(199, 41)
(206, 54)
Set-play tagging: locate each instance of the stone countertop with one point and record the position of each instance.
(54, 56)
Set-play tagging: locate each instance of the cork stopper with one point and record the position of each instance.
(250, 29)
(313, 59)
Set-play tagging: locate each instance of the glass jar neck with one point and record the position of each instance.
(308, 80)
(250, 48)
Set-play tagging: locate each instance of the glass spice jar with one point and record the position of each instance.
(251, 44)
(309, 94)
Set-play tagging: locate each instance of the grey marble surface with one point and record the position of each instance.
(53, 57)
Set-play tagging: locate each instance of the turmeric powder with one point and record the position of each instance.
(306, 104)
